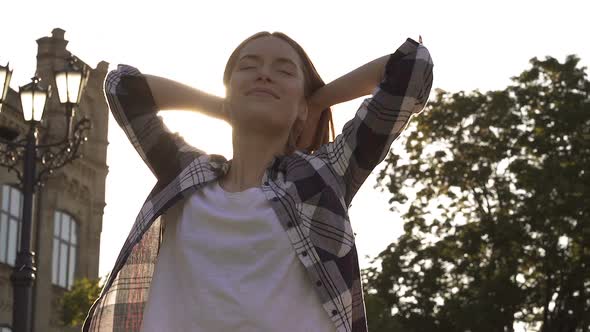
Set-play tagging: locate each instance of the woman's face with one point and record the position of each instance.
(266, 87)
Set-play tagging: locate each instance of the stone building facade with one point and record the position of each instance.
(68, 209)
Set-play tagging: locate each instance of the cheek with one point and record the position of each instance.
(234, 84)
(294, 90)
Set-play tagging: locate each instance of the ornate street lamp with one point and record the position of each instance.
(49, 157)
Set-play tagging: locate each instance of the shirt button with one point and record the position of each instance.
(304, 253)
(318, 283)
(334, 312)
(266, 183)
(274, 199)
(290, 224)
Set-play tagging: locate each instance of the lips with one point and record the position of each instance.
(262, 90)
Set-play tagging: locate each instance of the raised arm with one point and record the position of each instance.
(357, 83)
(400, 85)
(172, 95)
(135, 101)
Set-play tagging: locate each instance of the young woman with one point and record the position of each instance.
(261, 242)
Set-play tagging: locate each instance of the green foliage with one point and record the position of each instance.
(496, 194)
(76, 302)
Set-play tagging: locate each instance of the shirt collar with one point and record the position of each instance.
(221, 165)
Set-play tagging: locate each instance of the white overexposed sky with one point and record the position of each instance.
(474, 45)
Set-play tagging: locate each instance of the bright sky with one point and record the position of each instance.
(474, 45)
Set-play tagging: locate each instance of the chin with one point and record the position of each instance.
(264, 120)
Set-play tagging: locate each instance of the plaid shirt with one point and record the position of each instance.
(310, 192)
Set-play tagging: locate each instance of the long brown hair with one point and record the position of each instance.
(312, 82)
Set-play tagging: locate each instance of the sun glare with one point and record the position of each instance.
(201, 131)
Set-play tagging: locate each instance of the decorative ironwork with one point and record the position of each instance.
(49, 156)
(54, 156)
(11, 156)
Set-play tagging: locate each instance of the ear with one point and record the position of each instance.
(226, 110)
(303, 110)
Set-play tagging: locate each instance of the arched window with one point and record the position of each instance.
(65, 240)
(10, 223)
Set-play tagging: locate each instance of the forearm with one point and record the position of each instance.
(172, 95)
(357, 83)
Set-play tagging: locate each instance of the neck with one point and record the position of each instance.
(252, 153)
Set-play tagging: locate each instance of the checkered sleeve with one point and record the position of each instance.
(366, 139)
(132, 104)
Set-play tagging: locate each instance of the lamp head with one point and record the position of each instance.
(5, 75)
(70, 81)
(33, 98)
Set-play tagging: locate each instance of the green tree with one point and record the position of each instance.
(76, 302)
(495, 195)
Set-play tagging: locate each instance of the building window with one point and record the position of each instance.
(65, 239)
(10, 223)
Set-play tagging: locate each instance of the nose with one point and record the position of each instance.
(263, 77)
(263, 74)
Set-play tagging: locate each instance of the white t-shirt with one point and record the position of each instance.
(226, 264)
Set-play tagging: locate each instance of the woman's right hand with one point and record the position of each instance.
(314, 111)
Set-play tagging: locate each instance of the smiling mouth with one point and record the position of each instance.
(261, 94)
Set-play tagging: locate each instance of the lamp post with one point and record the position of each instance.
(70, 81)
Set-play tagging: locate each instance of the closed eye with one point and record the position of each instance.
(282, 71)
